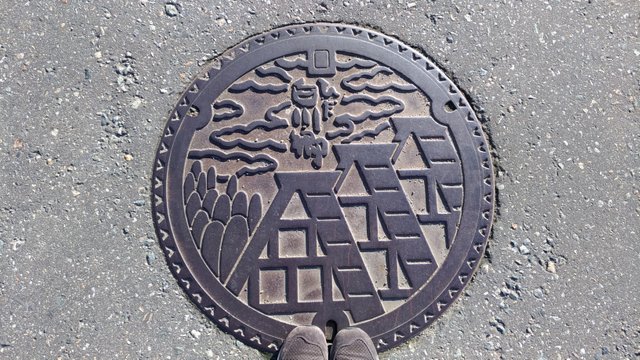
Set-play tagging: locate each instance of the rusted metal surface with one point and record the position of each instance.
(323, 174)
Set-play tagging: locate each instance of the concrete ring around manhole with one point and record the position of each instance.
(323, 174)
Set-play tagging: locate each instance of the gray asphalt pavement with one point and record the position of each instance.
(85, 89)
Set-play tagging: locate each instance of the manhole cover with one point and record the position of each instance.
(323, 174)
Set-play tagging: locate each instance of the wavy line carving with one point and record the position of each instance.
(286, 64)
(258, 87)
(269, 123)
(367, 133)
(346, 83)
(345, 123)
(357, 63)
(274, 72)
(268, 163)
(235, 110)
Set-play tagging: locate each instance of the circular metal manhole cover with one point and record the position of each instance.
(323, 174)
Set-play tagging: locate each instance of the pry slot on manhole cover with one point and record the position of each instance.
(323, 174)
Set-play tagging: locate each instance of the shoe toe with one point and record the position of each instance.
(304, 343)
(353, 344)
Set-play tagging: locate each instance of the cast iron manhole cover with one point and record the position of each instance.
(323, 174)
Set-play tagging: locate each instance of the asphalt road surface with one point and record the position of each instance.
(85, 89)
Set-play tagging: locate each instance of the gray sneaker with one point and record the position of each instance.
(353, 344)
(304, 343)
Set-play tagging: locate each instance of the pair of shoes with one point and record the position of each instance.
(308, 343)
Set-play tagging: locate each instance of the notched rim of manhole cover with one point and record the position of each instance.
(323, 174)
